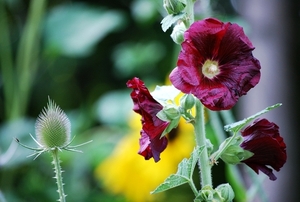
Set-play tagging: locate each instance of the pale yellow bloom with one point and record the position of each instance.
(127, 173)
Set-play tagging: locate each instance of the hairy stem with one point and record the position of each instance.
(58, 175)
(204, 162)
(190, 11)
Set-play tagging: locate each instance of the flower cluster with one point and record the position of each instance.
(215, 65)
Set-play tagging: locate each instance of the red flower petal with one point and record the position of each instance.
(151, 145)
(227, 45)
(263, 139)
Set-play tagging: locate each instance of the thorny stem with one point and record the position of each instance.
(204, 162)
(58, 175)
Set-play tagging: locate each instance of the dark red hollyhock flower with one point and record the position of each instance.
(216, 64)
(263, 139)
(151, 145)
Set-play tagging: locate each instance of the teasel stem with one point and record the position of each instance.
(58, 175)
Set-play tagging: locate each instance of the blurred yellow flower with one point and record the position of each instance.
(127, 173)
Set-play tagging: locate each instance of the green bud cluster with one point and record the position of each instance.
(223, 193)
(174, 6)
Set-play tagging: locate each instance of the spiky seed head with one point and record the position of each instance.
(53, 128)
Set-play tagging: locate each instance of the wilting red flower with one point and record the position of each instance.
(151, 145)
(263, 139)
(216, 64)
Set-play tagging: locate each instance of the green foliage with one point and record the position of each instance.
(74, 30)
(237, 126)
(169, 20)
(184, 173)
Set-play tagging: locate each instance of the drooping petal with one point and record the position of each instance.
(151, 145)
(263, 139)
(227, 46)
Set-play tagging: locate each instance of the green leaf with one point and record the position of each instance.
(164, 93)
(75, 29)
(184, 173)
(237, 126)
(167, 22)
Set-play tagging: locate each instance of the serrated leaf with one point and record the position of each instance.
(235, 127)
(184, 173)
(167, 22)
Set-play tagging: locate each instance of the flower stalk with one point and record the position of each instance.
(199, 127)
(58, 175)
(190, 13)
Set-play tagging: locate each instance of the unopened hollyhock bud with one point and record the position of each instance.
(177, 33)
(53, 128)
(187, 101)
(174, 6)
(226, 191)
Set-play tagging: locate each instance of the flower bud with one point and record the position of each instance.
(174, 6)
(206, 194)
(226, 192)
(177, 33)
(187, 101)
(53, 128)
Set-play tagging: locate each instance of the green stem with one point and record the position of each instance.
(6, 60)
(204, 162)
(233, 174)
(193, 187)
(27, 54)
(58, 176)
(190, 13)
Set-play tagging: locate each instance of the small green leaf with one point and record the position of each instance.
(184, 173)
(237, 126)
(167, 22)
(164, 93)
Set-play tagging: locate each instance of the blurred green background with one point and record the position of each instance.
(80, 54)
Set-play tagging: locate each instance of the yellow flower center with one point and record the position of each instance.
(210, 69)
